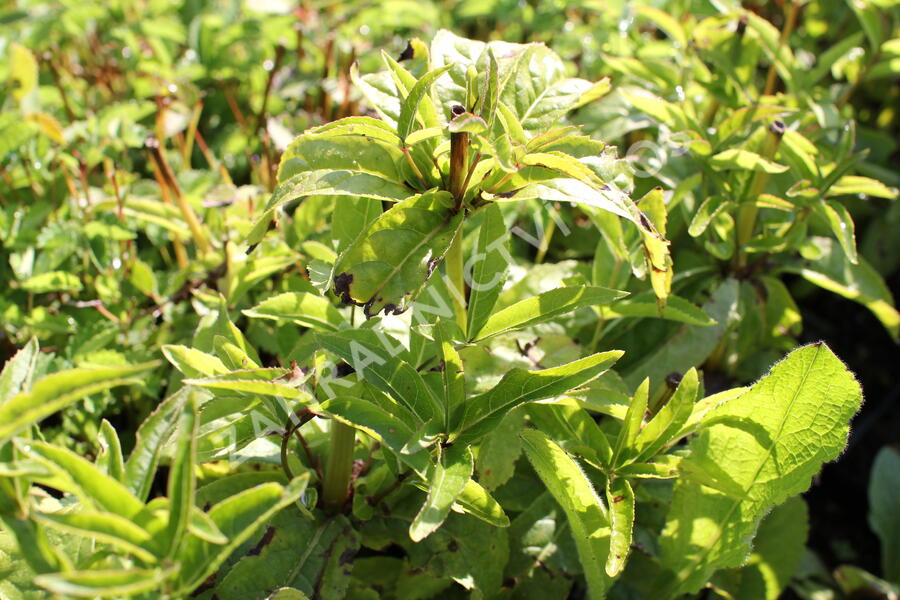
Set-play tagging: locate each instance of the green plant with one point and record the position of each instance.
(464, 431)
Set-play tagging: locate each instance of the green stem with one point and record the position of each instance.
(746, 217)
(339, 468)
(545, 242)
(456, 274)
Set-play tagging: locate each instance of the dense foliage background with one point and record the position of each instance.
(140, 142)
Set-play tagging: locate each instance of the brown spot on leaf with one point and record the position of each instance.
(265, 541)
(342, 287)
(618, 498)
(408, 53)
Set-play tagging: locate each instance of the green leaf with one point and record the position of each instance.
(359, 126)
(544, 307)
(620, 499)
(182, 485)
(105, 527)
(841, 223)
(23, 70)
(476, 501)
(766, 443)
(377, 422)
(707, 212)
(82, 478)
(665, 425)
(54, 281)
(851, 185)
(237, 517)
(105, 583)
(631, 426)
(110, 457)
(488, 264)
(657, 108)
(832, 270)
(499, 451)
(586, 513)
(395, 377)
(193, 362)
(18, 370)
(540, 94)
(54, 392)
(453, 384)
(690, 345)
(352, 216)
(676, 309)
(573, 427)
(254, 382)
(151, 435)
(736, 158)
(309, 555)
(318, 164)
(778, 550)
(410, 106)
(387, 266)
(884, 518)
(485, 411)
(451, 474)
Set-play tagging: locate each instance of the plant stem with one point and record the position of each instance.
(746, 217)
(459, 165)
(456, 274)
(789, 24)
(545, 242)
(187, 212)
(339, 467)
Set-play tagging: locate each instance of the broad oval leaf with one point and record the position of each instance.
(388, 265)
(766, 445)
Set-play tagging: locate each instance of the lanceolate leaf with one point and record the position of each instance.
(237, 517)
(488, 264)
(182, 484)
(76, 475)
(453, 382)
(105, 527)
(484, 412)
(544, 307)
(152, 434)
(105, 583)
(620, 499)
(766, 443)
(395, 377)
(110, 456)
(833, 271)
(450, 476)
(586, 513)
(411, 104)
(16, 374)
(663, 427)
(55, 392)
(388, 265)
